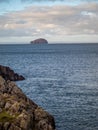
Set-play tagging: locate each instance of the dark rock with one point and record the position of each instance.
(8, 74)
(17, 112)
(39, 41)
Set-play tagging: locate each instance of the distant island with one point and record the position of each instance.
(39, 41)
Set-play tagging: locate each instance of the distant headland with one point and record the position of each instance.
(39, 41)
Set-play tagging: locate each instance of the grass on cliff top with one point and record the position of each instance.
(5, 117)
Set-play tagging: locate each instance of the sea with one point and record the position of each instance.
(61, 78)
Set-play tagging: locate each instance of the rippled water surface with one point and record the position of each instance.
(63, 79)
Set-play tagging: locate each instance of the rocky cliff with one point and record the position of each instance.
(17, 112)
(8, 74)
(39, 41)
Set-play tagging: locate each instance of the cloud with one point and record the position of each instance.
(51, 0)
(51, 21)
(60, 0)
(21, 21)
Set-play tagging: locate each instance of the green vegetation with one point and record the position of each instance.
(4, 117)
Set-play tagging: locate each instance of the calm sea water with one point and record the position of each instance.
(63, 79)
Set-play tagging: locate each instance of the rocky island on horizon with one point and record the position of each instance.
(39, 41)
(17, 111)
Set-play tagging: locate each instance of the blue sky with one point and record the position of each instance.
(66, 21)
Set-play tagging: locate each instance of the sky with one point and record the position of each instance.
(58, 21)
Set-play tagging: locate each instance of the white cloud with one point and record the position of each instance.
(51, 21)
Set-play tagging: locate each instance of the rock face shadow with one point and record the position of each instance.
(8, 74)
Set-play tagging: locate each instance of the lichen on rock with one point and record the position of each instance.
(17, 112)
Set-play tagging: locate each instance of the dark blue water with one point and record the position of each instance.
(63, 79)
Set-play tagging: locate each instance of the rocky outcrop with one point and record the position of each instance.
(8, 74)
(17, 112)
(39, 41)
